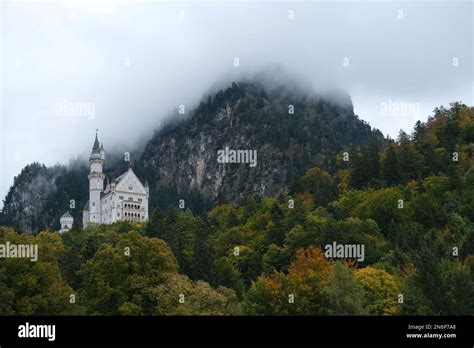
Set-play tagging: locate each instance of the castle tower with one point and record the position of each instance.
(102, 151)
(147, 187)
(96, 181)
(66, 222)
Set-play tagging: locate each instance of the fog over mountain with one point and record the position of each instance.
(70, 67)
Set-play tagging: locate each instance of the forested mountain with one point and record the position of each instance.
(291, 131)
(40, 194)
(409, 202)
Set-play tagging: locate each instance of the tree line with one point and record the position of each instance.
(409, 201)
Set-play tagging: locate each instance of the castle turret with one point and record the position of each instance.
(102, 151)
(96, 181)
(66, 222)
(147, 187)
(85, 215)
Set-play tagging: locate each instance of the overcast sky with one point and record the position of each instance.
(132, 62)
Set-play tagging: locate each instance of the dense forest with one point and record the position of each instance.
(409, 202)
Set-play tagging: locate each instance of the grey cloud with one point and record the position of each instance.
(136, 61)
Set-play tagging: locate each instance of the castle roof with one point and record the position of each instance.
(96, 148)
(119, 178)
(117, 181)
(66, 215)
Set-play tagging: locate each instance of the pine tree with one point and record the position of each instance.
(391, 166)
(411, 162)
(344, 296)
(276, 231)
(154, 223)
(372, 160)
(357, 178)
(202, 257)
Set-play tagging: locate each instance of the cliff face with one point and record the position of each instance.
(290, 133)
(289, 130)
(25, 202)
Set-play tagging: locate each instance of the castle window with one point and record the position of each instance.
(130, 199)
(130, 187)
(120, 197)
(139, 199)
(118, 214)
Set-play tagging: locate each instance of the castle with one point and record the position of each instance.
(125, 198)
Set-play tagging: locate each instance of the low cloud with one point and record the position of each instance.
(134, 62)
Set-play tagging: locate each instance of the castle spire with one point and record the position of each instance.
(96, 147)
(102, 151)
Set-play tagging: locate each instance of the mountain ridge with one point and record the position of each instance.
(290, 130)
